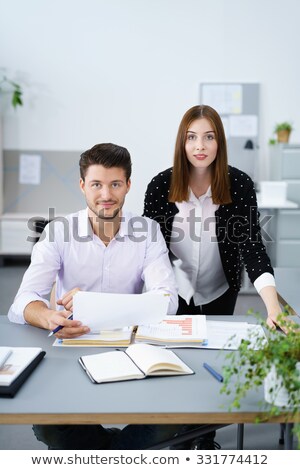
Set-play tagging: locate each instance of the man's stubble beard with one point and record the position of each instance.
(101, 214)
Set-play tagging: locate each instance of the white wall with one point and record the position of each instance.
(125, 71)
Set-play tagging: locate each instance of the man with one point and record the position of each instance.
(101, 249)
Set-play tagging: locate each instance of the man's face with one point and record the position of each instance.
(105, 190)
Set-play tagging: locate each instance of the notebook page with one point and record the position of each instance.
(111, 366)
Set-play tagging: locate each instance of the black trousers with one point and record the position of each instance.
(223, 305)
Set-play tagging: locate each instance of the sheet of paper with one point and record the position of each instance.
(30, 169)
(228, 335)
(180, 327)
(225, 99)
(104, 311)
(243, 126)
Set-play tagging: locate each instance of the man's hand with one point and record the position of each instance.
(71, 328)
(67, 299)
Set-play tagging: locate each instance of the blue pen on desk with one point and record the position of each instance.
(70, 317)
(214, 373)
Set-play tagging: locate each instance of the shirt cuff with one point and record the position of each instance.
(16, 311)
(264, 280)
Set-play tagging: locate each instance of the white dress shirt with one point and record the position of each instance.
(73, 256)
(195, 253)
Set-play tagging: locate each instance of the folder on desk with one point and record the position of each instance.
(114, 338)
(17, 369)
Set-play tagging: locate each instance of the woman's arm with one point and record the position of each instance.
(270, 299)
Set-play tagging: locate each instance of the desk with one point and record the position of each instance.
(59, 391)
(287, 283)
(271, 204)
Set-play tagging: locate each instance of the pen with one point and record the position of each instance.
(4, 357)
(213, 372)
(70, 317)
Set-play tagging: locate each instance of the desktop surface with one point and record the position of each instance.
(59, 392)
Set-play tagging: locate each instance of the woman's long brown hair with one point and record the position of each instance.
(220, 184)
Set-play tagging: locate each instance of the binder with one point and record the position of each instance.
(9, 391)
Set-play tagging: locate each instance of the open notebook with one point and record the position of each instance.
(138, 361)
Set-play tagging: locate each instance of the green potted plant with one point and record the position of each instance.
(273, 363)
(283, 131)
(9, 86)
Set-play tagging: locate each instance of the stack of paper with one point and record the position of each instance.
(105, 338)
(185, 331)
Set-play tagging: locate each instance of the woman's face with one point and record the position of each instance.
(201, 145)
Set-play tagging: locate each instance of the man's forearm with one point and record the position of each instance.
(38, 314)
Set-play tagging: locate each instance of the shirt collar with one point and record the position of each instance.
(84, 225)
(194, 199)
(124, 226)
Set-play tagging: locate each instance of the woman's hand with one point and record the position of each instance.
(272, 319)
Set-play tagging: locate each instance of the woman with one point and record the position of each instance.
(208, 215)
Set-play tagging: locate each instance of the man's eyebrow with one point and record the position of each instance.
(114, 181)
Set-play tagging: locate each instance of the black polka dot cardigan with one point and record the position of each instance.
(237, 225)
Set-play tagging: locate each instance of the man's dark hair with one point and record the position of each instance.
(107, 155)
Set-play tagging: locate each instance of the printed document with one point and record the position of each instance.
(229, 334)
(105, 311)
(175, 331)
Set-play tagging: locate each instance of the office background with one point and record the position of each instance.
(125, 71)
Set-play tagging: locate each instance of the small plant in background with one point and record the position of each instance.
(9, 86)
(248, 368)
(283, 126)
(283, 131)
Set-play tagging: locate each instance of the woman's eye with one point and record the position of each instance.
(191, 137)
(209, 137)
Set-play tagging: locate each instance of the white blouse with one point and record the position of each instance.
(195, 253)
